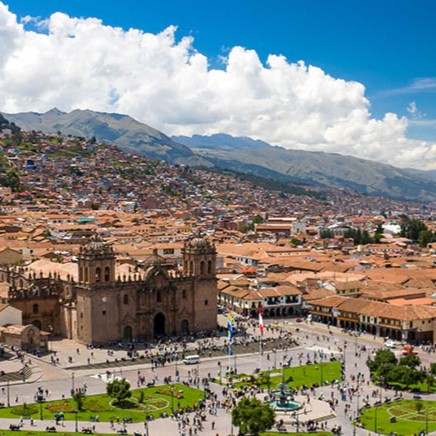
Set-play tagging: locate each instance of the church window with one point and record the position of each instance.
(97, 274)
(86, 275)
(35, 309)
(107, 274)
(184, 294)
(126, 299)
(206, 302)
(21, 283)
(209, 267)
(158, 297)
(103, 312)
(202, 267)
(81, 274)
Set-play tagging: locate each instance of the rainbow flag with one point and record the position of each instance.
(230, 325)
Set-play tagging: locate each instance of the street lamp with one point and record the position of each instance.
(322, 372)
(356, 416)
(41, 417)
(8, 394)
(176, 358)
(296, 421)
(73, 390)
(75, 419)
(275, 358)
(220, 374)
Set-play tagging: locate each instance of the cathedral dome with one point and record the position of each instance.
(198, 242)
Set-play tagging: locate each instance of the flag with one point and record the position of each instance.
(261, 319)
(230, 325)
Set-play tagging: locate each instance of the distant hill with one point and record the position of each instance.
(121, 130)
(429, 174)
(241, 155)
(317, 168)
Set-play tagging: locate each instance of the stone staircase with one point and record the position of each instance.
(14, 376)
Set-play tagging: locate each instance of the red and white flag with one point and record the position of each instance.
(261, 319)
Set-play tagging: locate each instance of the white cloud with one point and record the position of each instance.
(167, 83)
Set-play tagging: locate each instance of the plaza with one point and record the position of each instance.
(72, 367)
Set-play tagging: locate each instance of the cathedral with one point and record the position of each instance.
(90, 302)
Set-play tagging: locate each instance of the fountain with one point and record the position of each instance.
(282, 399)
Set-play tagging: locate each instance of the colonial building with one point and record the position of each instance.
(94, 301)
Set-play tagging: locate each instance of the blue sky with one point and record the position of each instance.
(386, 45)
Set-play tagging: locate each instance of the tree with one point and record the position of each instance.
(119, 389)
(411, 361)
(419, 406)
(252, 416)
(78, 399)
(381, 359)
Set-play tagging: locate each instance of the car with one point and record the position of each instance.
(390, 344)
(298, 320)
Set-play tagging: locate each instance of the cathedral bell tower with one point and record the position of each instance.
(96, 264)
(199, 258)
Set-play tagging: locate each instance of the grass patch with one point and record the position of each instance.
(40, 433)
(155, 401)
(408, 419)
(312, 433)
(297, 376)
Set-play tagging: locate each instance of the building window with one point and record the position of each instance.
(126, 299)
(35, 309)
(209, 267)
(103, 312)
(202, 267)
(184, 294)
(107, 274)
(206, 302)
(97, 274)
(158, 297)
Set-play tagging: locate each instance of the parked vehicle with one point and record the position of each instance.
(191, 360)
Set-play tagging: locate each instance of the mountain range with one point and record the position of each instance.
(240, 154)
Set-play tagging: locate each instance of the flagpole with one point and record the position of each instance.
(260, 334)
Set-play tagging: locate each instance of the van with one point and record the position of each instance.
(191, 360)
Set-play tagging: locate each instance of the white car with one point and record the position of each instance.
(390, 344)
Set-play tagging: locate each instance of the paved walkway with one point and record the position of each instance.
(59, 379)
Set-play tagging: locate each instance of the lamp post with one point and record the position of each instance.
(75, 419)
(275, 358)
(8, 393)
(375, 419)
(356, 415)
(322, 372)
(219, 371)
(176, 358)
(41, 417)
(297, 423)
(172, 399)
(73, 390)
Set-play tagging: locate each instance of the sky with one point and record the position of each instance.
(350, 77)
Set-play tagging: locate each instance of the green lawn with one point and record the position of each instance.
(40, 433)
(157, 400)
(298, 376)
(317, 433)
(409, 421)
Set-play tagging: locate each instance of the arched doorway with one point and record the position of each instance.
(37, 323)
(159, 325)
(184, 327)
(127, 334)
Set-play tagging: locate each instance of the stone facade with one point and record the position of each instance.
(101, 307)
